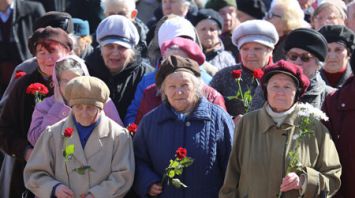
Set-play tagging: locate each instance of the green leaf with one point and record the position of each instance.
(187, 161)
(69, 150)
(81, 170)
(175, 164)
(171, 174)
(177, 183)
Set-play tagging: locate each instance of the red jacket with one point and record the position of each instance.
(340, 108)
(152, 98)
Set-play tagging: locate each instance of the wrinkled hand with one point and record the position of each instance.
(155, 190)
(290, 182)
(63, 191)
(28, 153)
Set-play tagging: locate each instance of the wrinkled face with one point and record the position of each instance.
(281, 92)
(230, 20)
(274, 16)
(85, 114)
(327, 16)
(116, 57)
(350, 21)
(255, 55)
(337, 58)
(48, 55)
(208, 31)
(64, 78)
(120, 9)
(180, 91)
(177, 7)
(304, 59)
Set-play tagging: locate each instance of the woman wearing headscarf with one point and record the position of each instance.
(282, 149)
(84, 155)
(55, 108)
(185, 119)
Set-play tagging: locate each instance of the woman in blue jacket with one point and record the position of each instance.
(185, 119)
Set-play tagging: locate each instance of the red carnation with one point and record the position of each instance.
(181, 153)
(258, 73)
(237, 73)
(37, 88)
(68, 132)
(132, 128)
(19, 74)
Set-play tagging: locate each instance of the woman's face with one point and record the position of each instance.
(86, 114)
(64, 78)
(304, 59)
(48, 54)
(327, 16)
(255, 55)
(337, 58)
(208, 31)
(281, 92)
(116, 57)
(180, 91)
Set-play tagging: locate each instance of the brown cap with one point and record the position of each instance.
(86, 90)
(173, 64)
(49, 34)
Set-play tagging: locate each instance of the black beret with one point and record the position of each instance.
(309, 40)
(254, 8)
(61, 20)
(203, 14)
(339, 33)
(219, 4)
(176, 63)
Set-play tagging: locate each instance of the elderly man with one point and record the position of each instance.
(308, 49)
(116, 62)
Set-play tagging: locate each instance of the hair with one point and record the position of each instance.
(130, 4)
(68, 64)
(197, 83)
(293, 14)
(328, 4)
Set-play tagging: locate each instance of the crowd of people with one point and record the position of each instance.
(177, 98)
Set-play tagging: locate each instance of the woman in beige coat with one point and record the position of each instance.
(84, 155)
(282, 149)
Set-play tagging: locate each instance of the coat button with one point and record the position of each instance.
(342, 104)
(188, 124)
(338, 136)
(64, 113)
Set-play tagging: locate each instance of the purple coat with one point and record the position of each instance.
(49, 112)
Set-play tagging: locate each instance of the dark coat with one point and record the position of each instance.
(340, 108)
(205, 133)
(341, 81)
(122, 85)
(15, 120)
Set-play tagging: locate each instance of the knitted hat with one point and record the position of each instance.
(61, 20)
(174, 27)
(290, 69)
(119, 30)
(254, 8)
(86, 90)
(191, 48)
(173, 64)
(339, 33)
(219, 4)
(81, 27)
(309, 40)
(258, 31)
(203, 14)
(49, 34)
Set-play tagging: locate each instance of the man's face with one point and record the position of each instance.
(177, 7)
(120, 9)
(230, 20)
(350, 21)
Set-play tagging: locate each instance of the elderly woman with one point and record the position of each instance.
(55, 108)
(84, 155)
(272, 152)
(336, 69)
(185, 119)
(255, 40)
(329, 13)
(208, 25)
(285, 15)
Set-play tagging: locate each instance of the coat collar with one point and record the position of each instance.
(266, 122)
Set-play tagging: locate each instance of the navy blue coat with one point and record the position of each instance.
(205, 133)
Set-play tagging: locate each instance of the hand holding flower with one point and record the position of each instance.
(155, 190)
(290, 182)
(63, 191)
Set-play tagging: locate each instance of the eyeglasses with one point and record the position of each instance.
(304, 57)
(270, 15)
(328, 18)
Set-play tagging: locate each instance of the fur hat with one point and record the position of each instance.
(86, 90)
(81, 27)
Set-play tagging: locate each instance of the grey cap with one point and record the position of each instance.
(118, 30)
(258, 31)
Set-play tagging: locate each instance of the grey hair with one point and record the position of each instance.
(68, 64)
(130, 3)
(197, 84)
